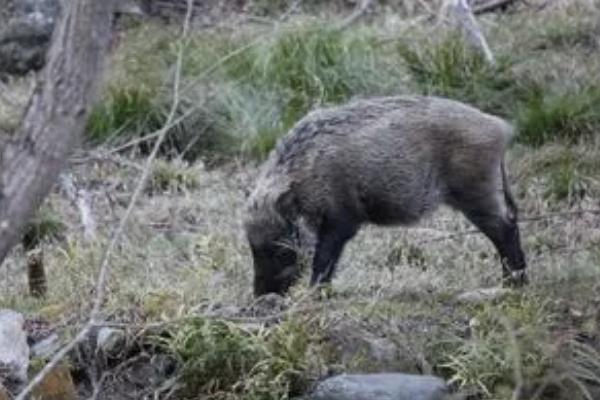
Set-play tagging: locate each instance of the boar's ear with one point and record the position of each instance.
(286, 205)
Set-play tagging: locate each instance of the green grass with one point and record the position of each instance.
(46, 225)
(247, 88)
(123, 112)
(566, 32)
(508, 340)
(546, 116)
(450, 68)
(224, 360)
(132, 103)
(261, 86)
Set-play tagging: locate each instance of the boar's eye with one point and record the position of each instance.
(285, 255)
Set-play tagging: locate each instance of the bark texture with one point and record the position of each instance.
(55, 118)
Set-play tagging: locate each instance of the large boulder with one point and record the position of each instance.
(387, 386)
(14, 350)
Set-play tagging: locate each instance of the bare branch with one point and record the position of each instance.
(81, 199)
(492, 6)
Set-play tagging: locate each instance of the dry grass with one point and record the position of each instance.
(184, 255)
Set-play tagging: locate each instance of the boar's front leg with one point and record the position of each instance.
(332, 236)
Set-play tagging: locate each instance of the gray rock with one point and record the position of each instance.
(110, 340)
(46, 347)
(388, 386)
(14, 351)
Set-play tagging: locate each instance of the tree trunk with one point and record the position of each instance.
(55, 118)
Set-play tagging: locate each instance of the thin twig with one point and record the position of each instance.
(107, 158)
(206, 73)
(105, 265)
(551, 215)
(533, 218)
(168, 125)
(113, 372)
(360, 11)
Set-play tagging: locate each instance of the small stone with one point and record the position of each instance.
(483, 295)
(386, 386)
(57, 385)
(110, 340)
(46, 347)
(14, 351)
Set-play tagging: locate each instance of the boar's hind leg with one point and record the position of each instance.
(496, 216)
(332, 237)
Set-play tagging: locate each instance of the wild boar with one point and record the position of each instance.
(385, 161)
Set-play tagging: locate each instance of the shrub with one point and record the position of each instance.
(248, 88)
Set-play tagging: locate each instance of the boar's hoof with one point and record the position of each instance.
(516, 279)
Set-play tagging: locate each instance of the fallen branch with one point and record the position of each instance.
(81, 199)
(100, 290)
(492, 6)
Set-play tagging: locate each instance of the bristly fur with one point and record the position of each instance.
(388, 161)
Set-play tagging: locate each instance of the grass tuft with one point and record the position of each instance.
(124, 111)
(545, 116)
(229, 361)
(452, 69)
(45, 225)
(507, 340)
(172, 176)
